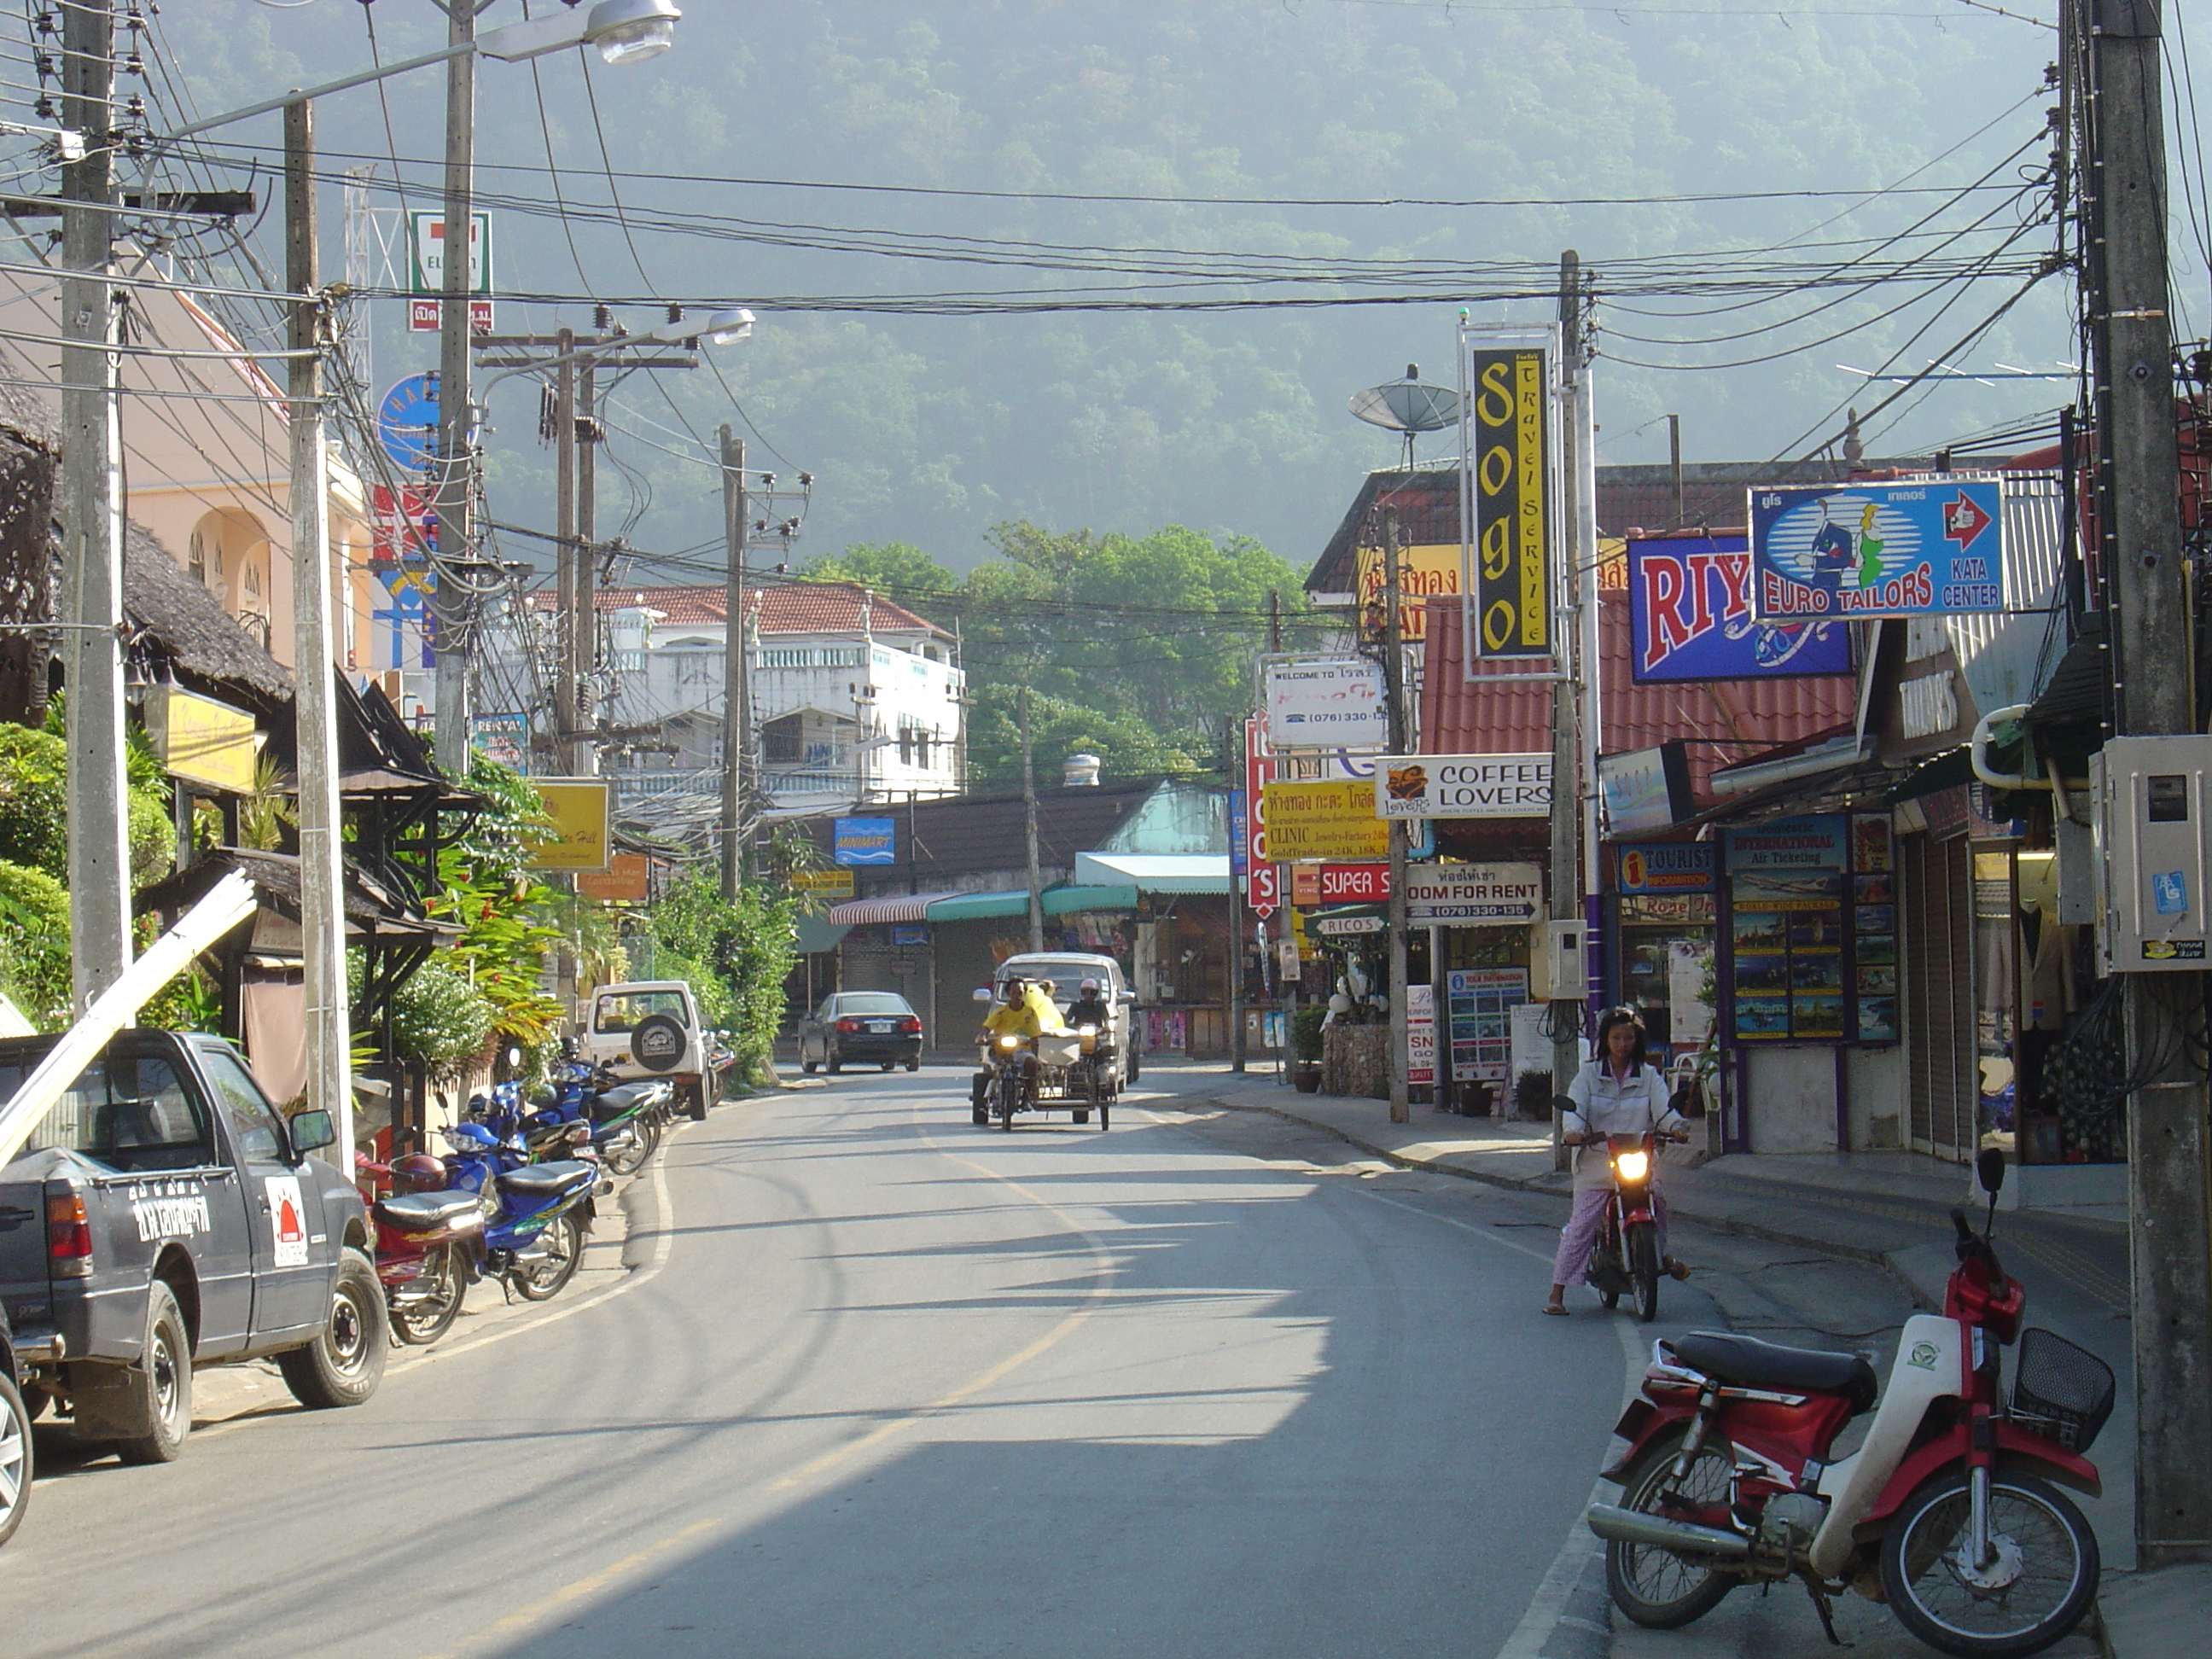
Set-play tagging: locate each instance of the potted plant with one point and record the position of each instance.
(1305, 1048)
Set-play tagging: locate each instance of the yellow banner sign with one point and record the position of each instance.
(823, 883)
(581, 838)
(1423, 574)
(1334, 819)
(204, 742)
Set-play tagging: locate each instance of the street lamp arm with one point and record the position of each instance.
(267, 105)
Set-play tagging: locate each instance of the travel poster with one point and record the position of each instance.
(1873, 928)
(1787, 887)
(1480, 1004)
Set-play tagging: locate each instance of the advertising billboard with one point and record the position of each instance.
(1332, 819)
(1861, 551)
(1473, 895)
(580, 836)
(865, 840)
(1689, 618)
(1423, 574)
(1510, 460)
(1463, 786)
(1326, 702)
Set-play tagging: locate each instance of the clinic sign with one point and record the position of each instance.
(1863, 552)
(1334, 702)
(1463, 786)
(1473, 895)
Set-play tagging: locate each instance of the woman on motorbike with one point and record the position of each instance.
(1617, 1092)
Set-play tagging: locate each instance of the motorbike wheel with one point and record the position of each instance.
(1643, 1270)
(628, 1160)
(1658, 1588)
(2044, 1580)
(1010, 1094)
(17, 1458)
(344, 1364)
(541, 1280)
(419, 1324)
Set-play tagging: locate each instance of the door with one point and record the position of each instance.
(292, 1256)
(1940, 1031)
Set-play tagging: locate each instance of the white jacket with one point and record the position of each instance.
(1606, 1106)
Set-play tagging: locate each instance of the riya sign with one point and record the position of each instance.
(1689, 618)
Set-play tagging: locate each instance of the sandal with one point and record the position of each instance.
(1677, 1269)
(1557, 1310)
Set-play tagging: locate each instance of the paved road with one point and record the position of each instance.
(901, 1386)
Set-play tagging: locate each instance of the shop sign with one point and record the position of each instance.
(1645, 790)
(1866, 550)
(1473, 895)
(823, 883)
(1666, 867)
(1421, 1037)
(1691, 909)
(1265, 895)
(1332, 819)
(624, 881)
(1351, 884)
(203, 741)
(580, 836)
(1347, 927)
(1812, 932)
(1423, 574)
(1259, 772)
(1464, 786)
(908, 934)
(1326, 702)
(866, 841)
(504, 738)
(1689, 618)
(1479, 1004)
(1510, 460)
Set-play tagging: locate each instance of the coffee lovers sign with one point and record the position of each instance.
(1463, 786)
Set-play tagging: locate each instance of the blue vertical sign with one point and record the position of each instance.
(1239, 840)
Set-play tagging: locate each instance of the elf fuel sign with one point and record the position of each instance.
(1463, 786)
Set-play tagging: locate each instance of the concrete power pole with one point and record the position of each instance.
(322, 913)
(1566, 1017)
(455, 608)
(92, 519)
(584, 613)
(566, 553)
(1030, 825)
(1232, 768)
(737, 676)
(2131, 345)
(1393, 690)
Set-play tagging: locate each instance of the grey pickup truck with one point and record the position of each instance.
(164, 1217)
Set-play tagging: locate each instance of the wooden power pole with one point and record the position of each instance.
(737, 679)
(1393, 690)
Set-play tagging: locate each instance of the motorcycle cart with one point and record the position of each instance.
(1070, 1079)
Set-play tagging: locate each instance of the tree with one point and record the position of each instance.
(895, 569)
(736, 955)
(1126, 746)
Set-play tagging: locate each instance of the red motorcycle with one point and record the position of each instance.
(1949, 1512)
(429, 1240)
(1626, 1256)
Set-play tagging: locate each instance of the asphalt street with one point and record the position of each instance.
(886, 1383)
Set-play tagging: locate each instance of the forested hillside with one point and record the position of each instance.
(927, 429)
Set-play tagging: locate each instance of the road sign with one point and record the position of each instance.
(425, 252)
(407, 422)
(424, 316)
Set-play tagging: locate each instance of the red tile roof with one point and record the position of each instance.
(785, 608)
(1724, 720)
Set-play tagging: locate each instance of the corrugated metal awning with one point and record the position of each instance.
(887, 907)
(1155, 872)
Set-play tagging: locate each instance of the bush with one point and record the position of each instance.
(440, 1019)
(1305, 1032)
(34, 945)
(734, 954)
(1532, 1096)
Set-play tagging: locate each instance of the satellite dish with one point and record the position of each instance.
(1408, 407)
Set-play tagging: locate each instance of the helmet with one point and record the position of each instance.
(1088, 985)
(419, 1172)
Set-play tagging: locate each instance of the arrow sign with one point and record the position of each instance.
(1964, 519)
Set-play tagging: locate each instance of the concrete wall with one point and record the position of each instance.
(1878, 1086)
(1793, 1098)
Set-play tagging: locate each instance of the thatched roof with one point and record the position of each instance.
(27, 418)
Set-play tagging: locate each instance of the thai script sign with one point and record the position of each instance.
(1510, 458)
(1689, 618)
(1473, 895)
(1464, 786)
(1869, 550)
(1423, 574)
(1332, 819)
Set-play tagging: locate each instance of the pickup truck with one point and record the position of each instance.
(650, 1028)
(163, 1216)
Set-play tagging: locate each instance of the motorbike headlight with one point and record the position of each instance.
(1633, 1166)
(1010, 1043)
(1086, 1030)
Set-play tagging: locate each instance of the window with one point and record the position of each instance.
(127, 1112)
(872, 1002)
(240, 1099)
(623, 1013)
(781, 740)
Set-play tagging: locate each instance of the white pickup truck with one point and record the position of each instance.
(650, 1028)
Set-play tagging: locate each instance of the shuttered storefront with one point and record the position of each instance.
(1938, 993)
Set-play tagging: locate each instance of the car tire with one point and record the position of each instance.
(913, 1065)
(164, 1385)
(1130, 1076)
(805, 1064)
(831, 1062)
(18, 1457)
(888, 1064)
(345, 1361)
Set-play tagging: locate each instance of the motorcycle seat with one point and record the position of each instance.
(423, 1212)
(1747, 1363)
(620, 1099)
(548, 1180)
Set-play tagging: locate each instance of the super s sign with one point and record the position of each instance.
(1510, 457)
(1690, 617)
(1869, 550)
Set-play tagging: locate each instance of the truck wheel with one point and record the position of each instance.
(1131, 1075)
(695, 1101)
(16, 1458)
(163, 1387)
(343, 1366)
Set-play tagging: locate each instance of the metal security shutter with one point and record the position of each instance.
(1938, 993)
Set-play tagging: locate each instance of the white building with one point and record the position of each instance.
(856, 701)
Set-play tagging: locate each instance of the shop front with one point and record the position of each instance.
(1660, 911)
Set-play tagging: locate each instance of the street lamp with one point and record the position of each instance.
(624, 31)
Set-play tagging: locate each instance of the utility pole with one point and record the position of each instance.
(567, 554)
(2125, 206)
(737, 675)
(584, 615)
(322, 911)
(1393, 688)
(1029, 824)
(1566, 1017)
(455, 606)
(92, 555)
(1674, 466)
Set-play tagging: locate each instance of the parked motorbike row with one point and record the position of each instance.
(514, 1199)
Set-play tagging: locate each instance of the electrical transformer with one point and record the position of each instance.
(2152, 822)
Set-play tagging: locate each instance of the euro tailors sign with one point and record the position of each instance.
(1463, 786)
(1510, 458)
(1931, 548)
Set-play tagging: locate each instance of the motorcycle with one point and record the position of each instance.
(1950, 1511)
(621, 1125)
(429, 1241)
(534, 1238)
(1625, 1256)
(1009, 1065)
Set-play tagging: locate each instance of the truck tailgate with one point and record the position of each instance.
(23, 1288)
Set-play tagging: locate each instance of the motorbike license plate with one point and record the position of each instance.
(879, 1026)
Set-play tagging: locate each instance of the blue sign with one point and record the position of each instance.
(1689, 618)
(407, 423)
(1239, 839)
(866, 840)
(1866, 550)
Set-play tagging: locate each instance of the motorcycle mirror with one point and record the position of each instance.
(1562, 1104)
(1990, 1169)
(983, 994)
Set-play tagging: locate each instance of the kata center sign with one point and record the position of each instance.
(1872, 551)
(1463, 786)
(1480, 895)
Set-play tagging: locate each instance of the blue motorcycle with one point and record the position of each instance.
(535, 1240)
(626, 1119)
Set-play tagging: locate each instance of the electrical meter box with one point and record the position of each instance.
(1558, 967)
(2153, 822)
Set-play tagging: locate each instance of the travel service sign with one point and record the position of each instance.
(1863, 551)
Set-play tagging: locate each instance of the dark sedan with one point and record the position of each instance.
(856, 1027)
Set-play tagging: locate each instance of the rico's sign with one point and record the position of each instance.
(1689, 618)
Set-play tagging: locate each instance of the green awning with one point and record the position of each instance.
(816, 935)
(974, 907)
(1063, 900)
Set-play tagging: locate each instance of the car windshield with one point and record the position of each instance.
(623, 1012)
(1064, 983)
(128, 1112)
(872, 1002)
